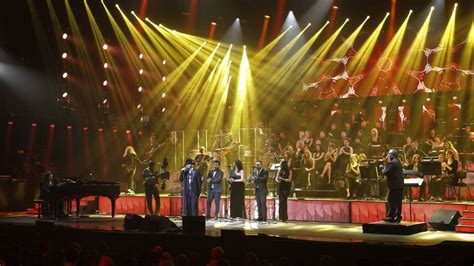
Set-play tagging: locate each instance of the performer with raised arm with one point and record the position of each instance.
(392, 168)
(130, 161)
(191, 181)
(284, 179)
(260, 178)
(214, 178)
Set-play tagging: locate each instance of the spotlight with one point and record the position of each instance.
(69, 127)
(140, 71)
(164, 62)
(101, 129)
(163, 110)
(52, 126)
(139, 106)
(85, 128)
(380, 102)
(267, 16)
(104, 83)
(164, 78)
(65, 94)
(140, 133)
(404, 101)
(64, 36)
(105, 46)
(64, 75)
(163, 95)
(64, 56)
(106, 65)
(133, 12)
(10, 123)
(335, 7)
(140, 56)
(213, 23)
(455, 98)
(140, 89)
(115, 130)
(104, 101)
(432, 8)
(428, 99)
(128, 131)
(34, 125)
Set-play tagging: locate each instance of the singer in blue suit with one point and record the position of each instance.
(191, 181)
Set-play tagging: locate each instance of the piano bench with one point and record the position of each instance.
(39, 202)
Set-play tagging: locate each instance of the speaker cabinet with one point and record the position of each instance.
(444, 220)
(194, 224)
(133, 222)
(159, 224)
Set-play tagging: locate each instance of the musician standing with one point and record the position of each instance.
(237, 190)
(214, 178)
(130, 162)
(191, 181)
(202, 164)
(394, 172)
(149, 182)
(260, 178)
(284, 180)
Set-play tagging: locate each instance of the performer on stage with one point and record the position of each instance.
(130, 161)
(284, 180)
(393, 170)
(191, 181)
(151, 190)
(237, 190)
(214, 178)
(202, 164)
(260, 178)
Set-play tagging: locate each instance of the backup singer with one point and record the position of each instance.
(191, 181)
(260, 178)
(130, 161)
(284, 180)
(214, 178)
(394, 172)
(149, 182)
(237, 190)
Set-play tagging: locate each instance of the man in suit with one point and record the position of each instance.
(191, 181)
(214, 178)
(260, 178)
(149, 183)
(393, 170)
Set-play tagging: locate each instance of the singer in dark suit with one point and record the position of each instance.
(394, 172)
(191, 181)
(214, 178)
(260, 178)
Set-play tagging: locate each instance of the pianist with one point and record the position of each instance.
(47, 184)
(393, 170)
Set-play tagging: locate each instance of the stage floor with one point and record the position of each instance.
(309, 231)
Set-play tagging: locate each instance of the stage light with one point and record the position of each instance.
(104, 101)
(139, 106)
(101, 129)
(163, 95)
(140, 56)
(115, 130)
(64, 36)
(10, 123)
(163, 109)
(106, 65)
(65, 75)
(85, 128)
(140, 89)
(34, 125)
(133, 12)
(52, 126)
(428, 99)
(105, 83)
(455, 98)
(69, 127)
(128, 131)
(64, 56)
(117, 6)
(105, 46)
(140, 72)
(164, 78)
(164, 62)
(266, 16)
(65, 94)
(213, 23)
(404, 101)
(335, 7)
(432, 8)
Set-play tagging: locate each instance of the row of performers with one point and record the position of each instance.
(192, 182)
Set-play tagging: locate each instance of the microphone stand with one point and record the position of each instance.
(226, 210)
(274, 195)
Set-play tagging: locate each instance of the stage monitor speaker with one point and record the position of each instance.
(194, 224)
(229, 233)
(159, 224)
(133, 222)
(444, 220)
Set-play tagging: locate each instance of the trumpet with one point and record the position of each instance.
(253, 177)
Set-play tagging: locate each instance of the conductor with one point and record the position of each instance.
(393, 170)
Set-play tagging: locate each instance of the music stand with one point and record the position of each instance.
(370, 172)
(419, 182)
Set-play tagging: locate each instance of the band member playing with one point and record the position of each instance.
(214, 178)
(237, 190)
(191, 181)
(151, 190)
(260, 178)
(202, 164)
(130, 161)
(393, 170)
(152, 148)
(284, 178)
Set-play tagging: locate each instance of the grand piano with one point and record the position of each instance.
(78, 188)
